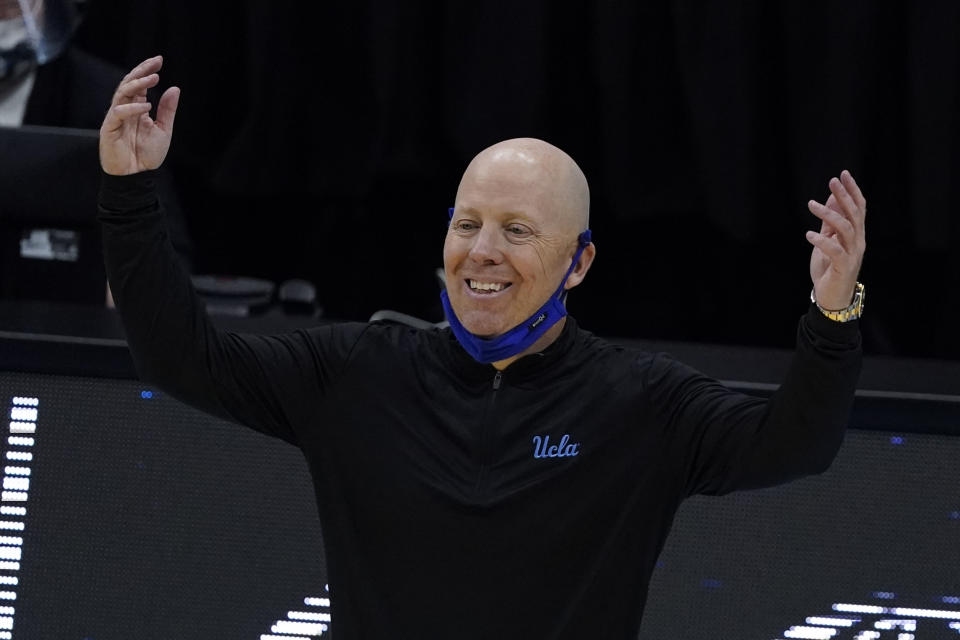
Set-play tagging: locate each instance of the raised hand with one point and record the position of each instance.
(839, 246)
(130, 141)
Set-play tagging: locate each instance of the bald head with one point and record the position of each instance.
(543, 171)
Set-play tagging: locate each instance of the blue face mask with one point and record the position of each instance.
(522, 336)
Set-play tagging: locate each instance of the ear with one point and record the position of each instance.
(583, 265)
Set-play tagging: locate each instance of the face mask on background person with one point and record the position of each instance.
(32, 33)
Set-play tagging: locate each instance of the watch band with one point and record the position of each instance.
(854, 311)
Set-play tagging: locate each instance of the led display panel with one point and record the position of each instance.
(126, 514)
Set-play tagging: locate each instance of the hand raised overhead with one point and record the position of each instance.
(130, 141)
(840, 244)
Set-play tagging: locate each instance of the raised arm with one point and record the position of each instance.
(274, 384)
(732, 441)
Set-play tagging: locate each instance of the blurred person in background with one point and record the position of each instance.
(47, 82)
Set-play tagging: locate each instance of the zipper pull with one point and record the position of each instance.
(496, 380)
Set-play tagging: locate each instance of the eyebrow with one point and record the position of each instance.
(502, 214)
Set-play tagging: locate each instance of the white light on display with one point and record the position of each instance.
(23, 427)
(832, 622)
(308, 624)
(906, 625)
(925, 613)
(23, 413)
(270, 636)
(16, 484)
(858, 608)
(306, 615)
(810, 633)
(289, 626)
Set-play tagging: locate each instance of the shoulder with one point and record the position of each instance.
(380, 340)
(616, 365)
(612, 361)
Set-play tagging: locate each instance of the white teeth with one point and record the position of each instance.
(486, 286)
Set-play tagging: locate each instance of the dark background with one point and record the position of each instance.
(327, 141)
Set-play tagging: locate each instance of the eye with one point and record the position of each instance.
(465, 225)
(517, 230)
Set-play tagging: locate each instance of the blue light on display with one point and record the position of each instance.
(896, 440)
(951, 599)
(146, 394)
(884, 595)
(955, 515)
(711, 583)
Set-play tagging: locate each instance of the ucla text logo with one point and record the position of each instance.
(543, 449)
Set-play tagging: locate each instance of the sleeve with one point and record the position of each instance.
(727, 440)
(274, 384)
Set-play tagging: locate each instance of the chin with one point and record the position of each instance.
(482, 324)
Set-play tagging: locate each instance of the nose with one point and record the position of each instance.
(486, 246)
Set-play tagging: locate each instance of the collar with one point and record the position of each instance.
(529, 367)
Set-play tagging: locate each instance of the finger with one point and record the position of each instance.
(167, 108)
(136, 90)
(148, 66)
(854, 189)
(840, 224)
(847, 206)
(122, 112)
(832, 203)
(825, 227)
(830, 246)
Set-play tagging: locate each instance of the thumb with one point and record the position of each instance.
(167, 109)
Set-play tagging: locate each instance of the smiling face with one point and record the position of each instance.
(520, 206)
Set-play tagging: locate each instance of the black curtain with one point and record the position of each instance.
(326, 142)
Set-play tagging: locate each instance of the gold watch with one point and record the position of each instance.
(854, 311)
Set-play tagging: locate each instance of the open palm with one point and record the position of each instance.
(839, 246)
(130, 141)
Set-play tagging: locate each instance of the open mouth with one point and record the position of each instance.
(487, 288)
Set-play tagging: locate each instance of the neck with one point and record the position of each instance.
(545, 341)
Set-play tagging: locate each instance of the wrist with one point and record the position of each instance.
(851, 312)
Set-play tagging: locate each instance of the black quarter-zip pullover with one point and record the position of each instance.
(462, 502)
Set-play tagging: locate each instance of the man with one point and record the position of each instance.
(513, 476)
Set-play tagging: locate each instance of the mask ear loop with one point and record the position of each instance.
(583, 241)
